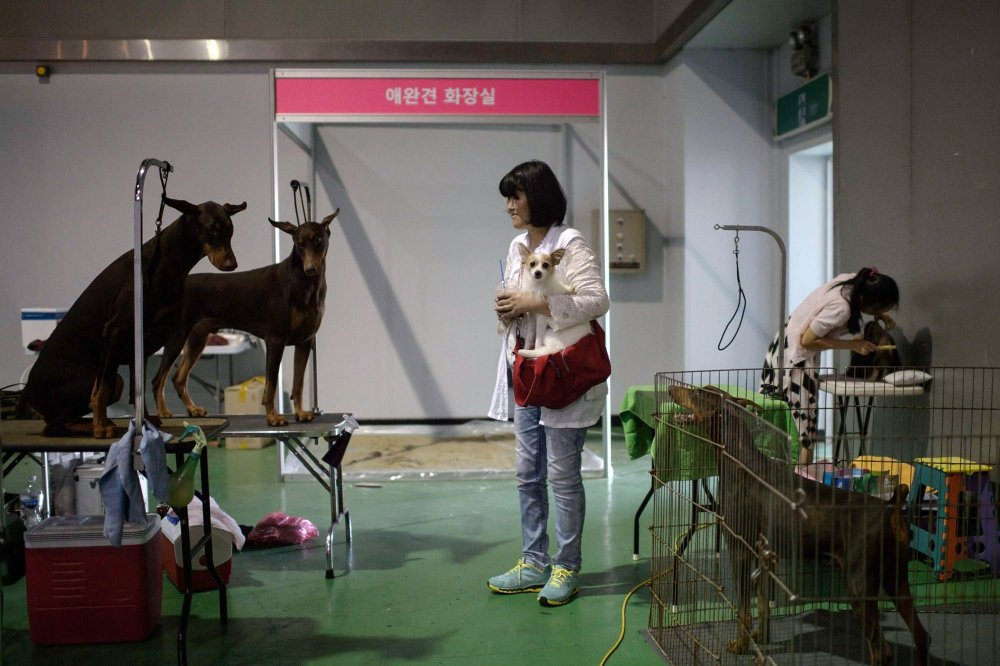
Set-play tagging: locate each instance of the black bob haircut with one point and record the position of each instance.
(546, 199)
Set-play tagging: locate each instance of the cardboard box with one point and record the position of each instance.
(245, 398)
(173, 556)
(81, 589)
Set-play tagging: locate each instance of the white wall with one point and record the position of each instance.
(728, 163)
(71, 149)
(422, 217)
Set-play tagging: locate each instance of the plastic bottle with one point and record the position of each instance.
(180, 485)
(31, 502)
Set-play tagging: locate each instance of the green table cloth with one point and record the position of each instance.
(689, 456)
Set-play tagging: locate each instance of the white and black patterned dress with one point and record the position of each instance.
(799, 386)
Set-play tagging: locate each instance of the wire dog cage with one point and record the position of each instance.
(884, 550)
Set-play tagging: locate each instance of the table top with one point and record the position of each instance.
(237, 345)
(255, 425)
(847, 387)
(26, 434)
(639, 413)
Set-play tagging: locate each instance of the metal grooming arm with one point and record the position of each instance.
(139, 365)
(784, 278)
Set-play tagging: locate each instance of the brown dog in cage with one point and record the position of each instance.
(868, 538)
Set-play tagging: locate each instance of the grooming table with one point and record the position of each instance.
(326, 470)
(848, 392)
(19, 438)
(692, 460)
(237, 345)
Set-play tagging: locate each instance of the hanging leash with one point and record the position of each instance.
(305, 202)
(741, 300)
(155, 258)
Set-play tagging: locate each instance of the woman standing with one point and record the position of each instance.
(819, 323)
(549, 441)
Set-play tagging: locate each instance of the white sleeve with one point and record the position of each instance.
(589, 300)
(834, 314)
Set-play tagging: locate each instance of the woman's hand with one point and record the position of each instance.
(862, 346)
(516, 303)
(886, 320)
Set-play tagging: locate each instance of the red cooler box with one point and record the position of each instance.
(81, 589)
(173, 556)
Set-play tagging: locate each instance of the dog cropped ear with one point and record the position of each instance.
(701, 402)
(329, 218)
(287, 227)
(523, 249)
(181, 206)
(233, 209)
(557, 256)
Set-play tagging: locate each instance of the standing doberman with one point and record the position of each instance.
(77, 369)
(281, 303)
(867, 537)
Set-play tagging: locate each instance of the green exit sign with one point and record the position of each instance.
(804, 107)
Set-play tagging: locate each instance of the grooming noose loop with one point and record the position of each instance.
(164, 174)
(741, 299)
(296, 200)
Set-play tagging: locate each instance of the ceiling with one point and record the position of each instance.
(757, 24)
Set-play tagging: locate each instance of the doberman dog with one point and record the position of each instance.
(281, 303)
(867, 537)
(77, 369)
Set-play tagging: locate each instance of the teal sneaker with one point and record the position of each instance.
(561, 588)
(523, 577)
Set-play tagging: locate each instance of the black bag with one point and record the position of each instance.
(880, 362)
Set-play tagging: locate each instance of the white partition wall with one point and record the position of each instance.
(417, 189)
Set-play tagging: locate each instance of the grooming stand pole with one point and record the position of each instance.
(139, 361)
(784, 279)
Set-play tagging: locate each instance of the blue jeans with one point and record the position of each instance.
(549, 456)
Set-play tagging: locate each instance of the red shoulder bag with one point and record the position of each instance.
(559, 379)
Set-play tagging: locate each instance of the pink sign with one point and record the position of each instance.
(403, 96)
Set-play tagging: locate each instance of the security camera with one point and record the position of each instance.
(805, 52)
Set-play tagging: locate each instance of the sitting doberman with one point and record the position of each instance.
(281, 303)
(866, 537)
(77, 369)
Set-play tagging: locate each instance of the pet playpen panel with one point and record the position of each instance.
(911, 486)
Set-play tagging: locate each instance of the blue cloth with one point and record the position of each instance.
(119, 481)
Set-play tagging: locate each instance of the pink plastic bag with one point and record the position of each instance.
(278, 528)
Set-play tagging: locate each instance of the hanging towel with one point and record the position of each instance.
(119, 481)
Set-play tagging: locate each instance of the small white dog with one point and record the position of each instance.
(543, 279)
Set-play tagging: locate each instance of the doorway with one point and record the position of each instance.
(810, 232)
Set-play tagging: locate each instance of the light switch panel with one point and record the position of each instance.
(627, 232)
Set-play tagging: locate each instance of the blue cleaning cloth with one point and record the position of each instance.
(119, 481)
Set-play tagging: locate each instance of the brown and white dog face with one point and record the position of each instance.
(539, 266)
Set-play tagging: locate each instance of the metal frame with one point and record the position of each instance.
(937, 434)
(279, 124)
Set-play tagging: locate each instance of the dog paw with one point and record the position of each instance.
(276, 420)
(195, 410)
(104, 431)
(739, 645)
(304, 417)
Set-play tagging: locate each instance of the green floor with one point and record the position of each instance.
(411, 588)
